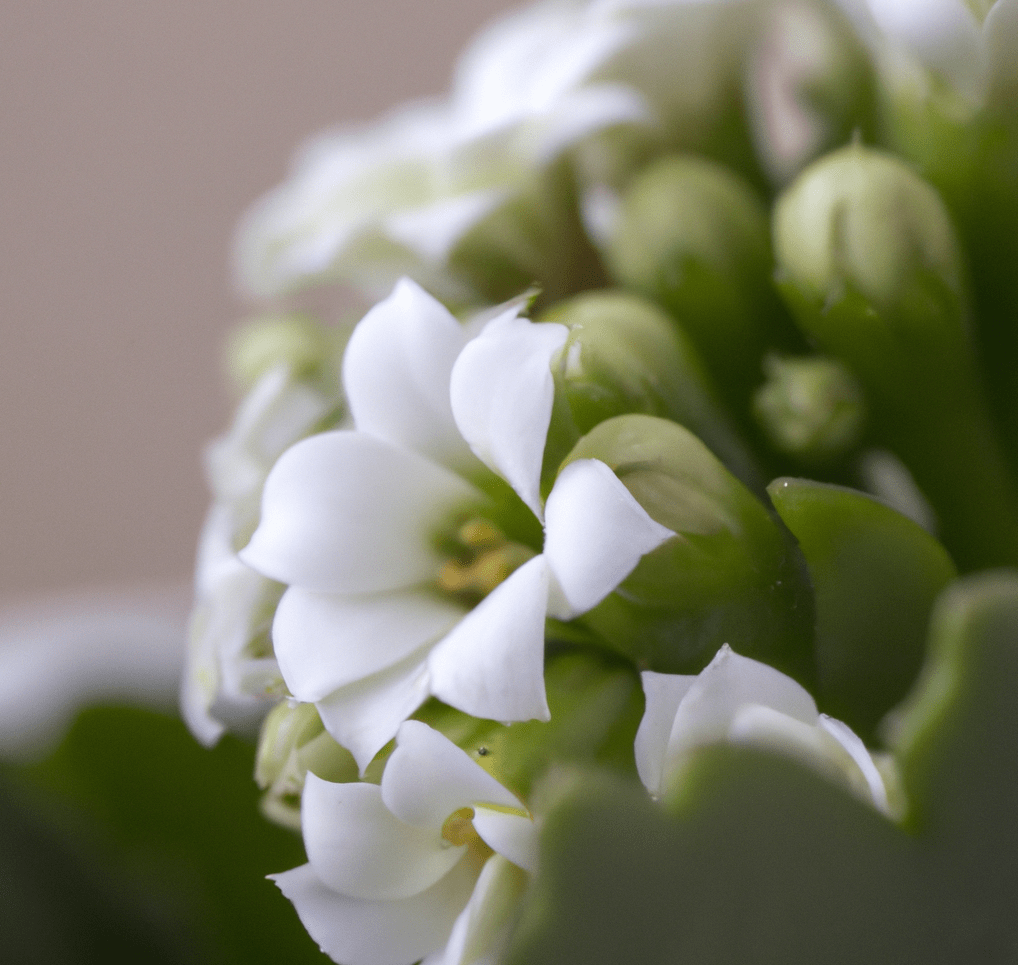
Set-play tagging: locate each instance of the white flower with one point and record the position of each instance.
(371, 204)
(742, 701)
(228, 679)
(428, 866)
(976, 56)
(63, 652)
(373, 623)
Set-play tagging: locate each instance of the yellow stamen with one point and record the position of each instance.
(458, 828)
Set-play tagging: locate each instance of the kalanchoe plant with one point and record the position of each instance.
(809, 214)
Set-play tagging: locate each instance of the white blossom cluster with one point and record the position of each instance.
(420, 549)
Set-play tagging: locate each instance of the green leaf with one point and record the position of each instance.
(875, 577)
(167, 825)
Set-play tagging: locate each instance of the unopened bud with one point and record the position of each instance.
(870, 265)
(292, 742)
(731, 574)
(305, 346)
(692, 236)
(624, 355)
(811, 408)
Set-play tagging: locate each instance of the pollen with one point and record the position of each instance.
(487, 558)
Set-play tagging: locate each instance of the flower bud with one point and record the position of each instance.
(860, 229)
(731, 573)
(292, 742)
(869, 263)
(811, 408)
(306, 347)
(624, 355)
(692, 236)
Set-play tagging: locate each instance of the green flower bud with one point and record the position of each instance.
(859, 224)
(306, 346)
(624, 355)
(596, 703)
(868, 261)
(811, 408)
(692, 236)
(732, 574)
(292, 742)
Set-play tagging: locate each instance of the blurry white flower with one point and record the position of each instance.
(742, 701)
(972, 47)
(231, 676)
(369, 205)
(430, 865)
(59, 654)
(378, 615)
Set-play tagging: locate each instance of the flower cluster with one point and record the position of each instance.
(645, 257)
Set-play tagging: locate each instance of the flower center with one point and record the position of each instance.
(459, 829)
(481, 558)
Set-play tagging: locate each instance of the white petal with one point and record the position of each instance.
(433, 231)
(358, 932)
(428, 777)
(502, 393)
(596, 533)
(396, 373)
(326, 641)
(664, 693)
(728, 683)
(492, 662)
(60, 653)
(514, 836)
(584, 112)
(856, 749)
(359, 848)
(364, 716)
(345, 512)
(483, 927)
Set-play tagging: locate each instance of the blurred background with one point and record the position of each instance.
(134, 136)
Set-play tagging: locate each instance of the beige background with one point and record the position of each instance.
(134, 134)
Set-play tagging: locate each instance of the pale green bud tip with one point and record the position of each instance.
(670, 472)
(683, 212)
(262, 343)
(811, 408)
(859, 220)
(286, 728)
(624, 354)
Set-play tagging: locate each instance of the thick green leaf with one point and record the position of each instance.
(875, 577)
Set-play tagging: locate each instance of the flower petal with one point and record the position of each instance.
(502, 393)
(851, 743)
(364, 716)
(728, 683)
(434, 230)
(484, 926)
(514, 836)
(345, 512)
(595, 535)
(428, 777)
(491, 664)
(324, 641)
(359, 848)
(664, 693)
(359, 932)
(396, 374)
